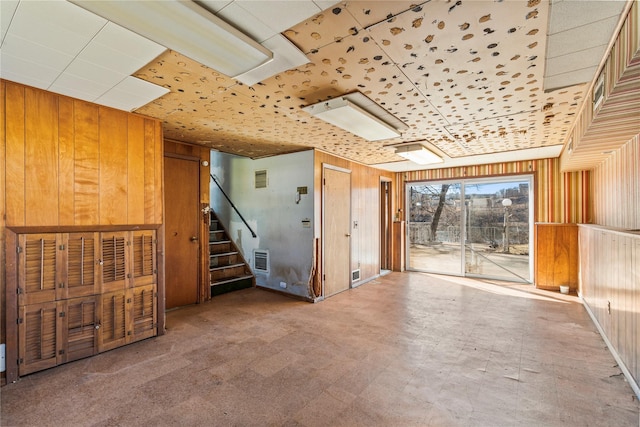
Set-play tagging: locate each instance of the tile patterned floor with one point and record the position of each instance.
(407, 349)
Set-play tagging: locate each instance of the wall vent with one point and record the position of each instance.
(261, 179)
(355, 275)
(261, 261)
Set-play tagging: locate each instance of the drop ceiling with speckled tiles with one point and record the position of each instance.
(466, 76)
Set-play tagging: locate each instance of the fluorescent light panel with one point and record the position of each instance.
(417, 153)
(285, 57)
(350, 117)
(187, 28)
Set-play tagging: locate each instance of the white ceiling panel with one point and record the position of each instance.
(568, 14)
(56, 24)
(118, 49)
(91, 89)
(127, 43)
(569, 78)
(131, 93)
(271, 13)
(574, 61)
(23, 71)
(214, 5)
(574, 39)
(7, 9)
(18, 47)
(245, 22)
(90, 71)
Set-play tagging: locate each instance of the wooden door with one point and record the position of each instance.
(40, 337)
(181, 186)
(40, 268)
(83, 277)
(113, 320)
(336, 230)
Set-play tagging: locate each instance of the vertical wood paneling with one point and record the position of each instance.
(41, 158)
(365, 200)
(66, 159)
(70, 162)
(135, 168)
(159, 172)
(149, 172)
(86, 164)
(113, 166)
(15, 151)
(610, 286)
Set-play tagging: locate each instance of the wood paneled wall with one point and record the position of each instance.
(559, 197)
(365, 208)
(70, 162)
(66, 162)
(610, 287)
(616, 183)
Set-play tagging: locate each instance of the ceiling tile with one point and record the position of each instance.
(83, 88)
(214, 6)
(19, 47)
(569, 14)
(245, 22)
(7, 9)
(587, 58)
(128, 43)
(325, 4)
(574, 40)
(120, 50)
(570, 79)
(91, 71)
(56, 24)
(23, 71)
(131, 94)
(271, 12)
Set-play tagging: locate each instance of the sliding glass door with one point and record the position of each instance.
(477, 228)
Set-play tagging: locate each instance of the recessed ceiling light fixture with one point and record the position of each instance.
(418, 153)
(187, 28)
(359, 115)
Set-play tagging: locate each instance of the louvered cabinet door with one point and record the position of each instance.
(40, 265)
(40, 338)
(113, 319)
(113, 261)
(80, 335)
(144, 312)
(83, 251)
(144, 257)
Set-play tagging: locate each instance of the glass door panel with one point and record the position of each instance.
(497, 229)
(433, 227)
(490, 218)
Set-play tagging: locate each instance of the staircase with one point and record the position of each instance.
(228, 270)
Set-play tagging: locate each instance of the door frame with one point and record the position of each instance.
(323, 231)
(386, 223)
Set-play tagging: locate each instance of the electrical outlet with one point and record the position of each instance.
(283, 285)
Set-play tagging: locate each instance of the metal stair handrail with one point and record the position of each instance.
(253, 233)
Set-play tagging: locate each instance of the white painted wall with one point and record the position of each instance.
(272, 212)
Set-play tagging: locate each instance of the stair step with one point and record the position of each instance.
(218, 242)
(226, 266)
(231, 280)
(223, 254)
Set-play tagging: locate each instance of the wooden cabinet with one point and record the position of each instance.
(556, 256)
(83, 293)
